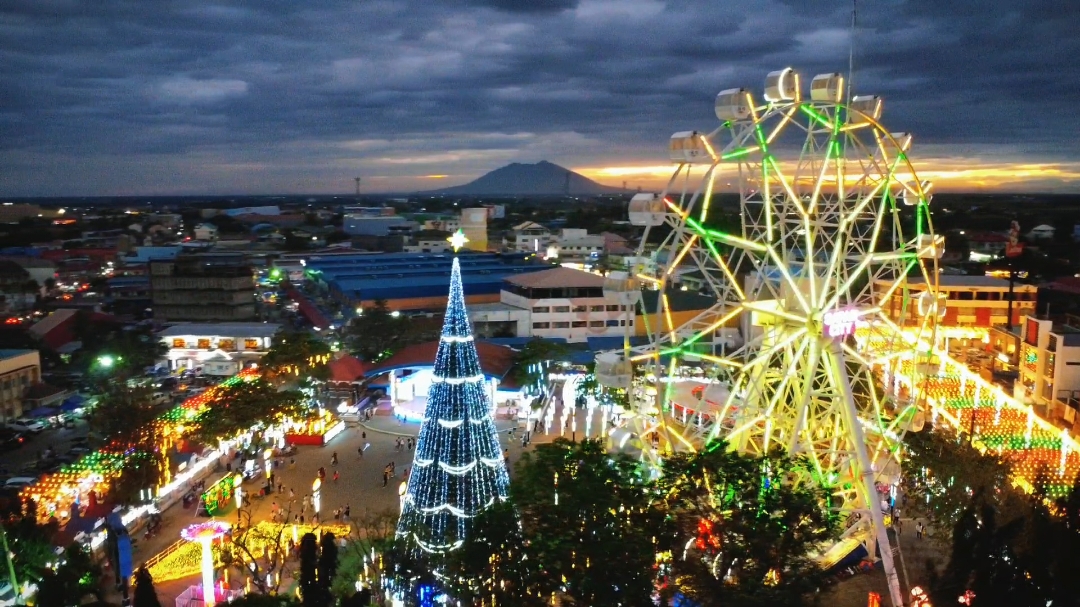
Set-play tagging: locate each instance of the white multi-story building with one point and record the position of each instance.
(1049, 369)
(530, 237)
(206, 232)
(576, 244)
(217, 348)
(566, 303)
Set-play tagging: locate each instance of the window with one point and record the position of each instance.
(577, 324)
(178, 343)
(599, 308)
(580, 308)
(612, 323)
(251, 344)
(561, 325)
(541, 325)
(622, 323)
(541, 309)
(562, 309)
(227, 344)
(596, 323)
(204, 344)
(612, 307)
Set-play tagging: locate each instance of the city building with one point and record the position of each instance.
(375, 225)
(413, 281)
(219, 349)
(1049, 370)
(529, 237)
(206, 232)
(19, 369)
(569, 304)
(39, 269)
(428, 245)
(474, 225)
(566, 303)
(443, 224)
(970, 301)
(11, 212)
(1042, 232)
(984, 246)
(58, 331)
(576, 244)
(203, 287)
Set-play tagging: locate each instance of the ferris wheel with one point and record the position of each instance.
(804, 226)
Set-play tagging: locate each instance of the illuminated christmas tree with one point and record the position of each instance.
(458, 469)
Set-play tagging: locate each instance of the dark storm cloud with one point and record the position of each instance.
(138, 96)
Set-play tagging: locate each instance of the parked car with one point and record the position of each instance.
(18, 482)
(25, 424)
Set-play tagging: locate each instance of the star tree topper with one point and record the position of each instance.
(457, 240)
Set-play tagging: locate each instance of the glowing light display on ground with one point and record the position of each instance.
(204, 534)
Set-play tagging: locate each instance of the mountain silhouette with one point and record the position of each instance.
(540, 179)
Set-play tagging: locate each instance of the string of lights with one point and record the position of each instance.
(458, 467)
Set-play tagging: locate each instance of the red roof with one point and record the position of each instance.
(58, 329)
(308, 309)
(347, 369)
(495, 360)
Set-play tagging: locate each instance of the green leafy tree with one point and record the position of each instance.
(532, 360)
(145, 595)
(377, 334)
(77, 577)
(582, 510)
(240, 406)
(327, 566)
(744, 530)
(310, 593)
(493, 565)
(946, 471)
(374, 534)
(295, 354)
(31, 547)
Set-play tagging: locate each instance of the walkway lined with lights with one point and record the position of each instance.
(1038, 452)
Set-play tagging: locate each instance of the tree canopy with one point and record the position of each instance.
(240, 406)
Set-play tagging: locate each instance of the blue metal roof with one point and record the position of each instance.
(408, 275)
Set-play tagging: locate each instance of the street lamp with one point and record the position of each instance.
(316, 495)
(106, 361)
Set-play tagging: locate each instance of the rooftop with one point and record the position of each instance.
(241, 329)
(495, 360)
(952, 280)
(6, 354)
(558, 278)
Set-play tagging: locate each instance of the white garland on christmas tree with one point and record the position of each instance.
(441, 499)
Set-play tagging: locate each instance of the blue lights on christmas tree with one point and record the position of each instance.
(458, 469)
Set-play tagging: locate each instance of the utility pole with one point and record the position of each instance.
(10, 567)
(357, 179)
(1012, 250)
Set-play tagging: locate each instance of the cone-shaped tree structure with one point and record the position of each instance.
(458, 469)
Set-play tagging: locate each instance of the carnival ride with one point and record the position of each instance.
(831, 222)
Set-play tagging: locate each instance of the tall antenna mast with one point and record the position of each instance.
(357, 186)
(851, 52)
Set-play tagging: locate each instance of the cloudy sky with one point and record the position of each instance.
(132, 97)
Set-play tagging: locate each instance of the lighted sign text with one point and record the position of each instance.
(840, 323)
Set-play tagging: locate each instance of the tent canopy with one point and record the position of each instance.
(44, 412)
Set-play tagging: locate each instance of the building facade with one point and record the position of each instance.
(220, 349)
(566, 303)
(1049, 370)
(203, 287)
(577, 245)
(970, 301)
(529, 237)
(19, 369)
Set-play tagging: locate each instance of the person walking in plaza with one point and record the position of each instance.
(918, 530)
(333, 460)
(410, 443)
(335, 476)
(360, 453)
(385, 477)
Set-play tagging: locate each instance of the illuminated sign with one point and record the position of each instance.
(840, 323)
